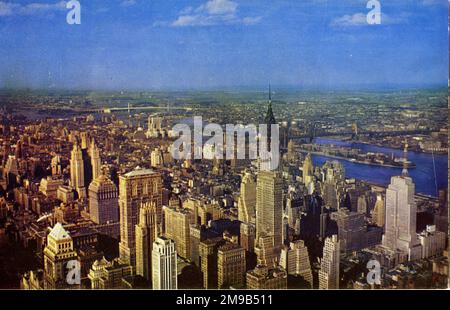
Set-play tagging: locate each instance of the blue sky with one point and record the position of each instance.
(168, 44)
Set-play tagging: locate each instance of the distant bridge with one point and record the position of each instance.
(372, 133)
(129, 109)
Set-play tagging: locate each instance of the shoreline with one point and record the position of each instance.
(342, 139)
(355, 161)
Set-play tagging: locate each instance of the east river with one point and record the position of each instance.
(423, 174)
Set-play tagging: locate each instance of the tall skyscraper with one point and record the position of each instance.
(269, 210)
(266, 252)
(209, 261)
(308, 170)
(11, 171)
(95, 160)
(268, 160)
(351, 230)
(247, 237)
(156, 158)
(146, 233)
(103, 201)
(231, 266)
(56, 165)
(247, 199)
(136, 187)
(177, 223)
(77, 171)
(401, 213)
(379, 212)
(164, 264)
(84, 140)
(329, 268)
(295, 260)
(58, 252)
(154, 127)
(197, 234)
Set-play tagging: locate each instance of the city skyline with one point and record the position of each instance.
(224, 145)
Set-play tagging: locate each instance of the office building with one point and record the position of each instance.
(77, 171)
(164, 264)
(136, 187)
(146, 234)
(103, 201)
(58, 252)
(295, 260)
(329, 267)
(247, 199)
(177, 223)
(269, 211)
(231, 266)
(401, 213)
(263, 277)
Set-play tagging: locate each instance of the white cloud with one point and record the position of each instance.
(251, 20)
(8, 8)
(127, 3)
(187, 10)
(360, 19)
(220, 7)
(211, 13)
(434, 2)
(357, 19)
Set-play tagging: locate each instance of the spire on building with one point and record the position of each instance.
(270, 118)
(405, 160)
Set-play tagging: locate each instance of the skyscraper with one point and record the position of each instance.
(247, 199)
(108, 275)
(351, 230)
(177, 223)
(56, 165)
(269, 209)
(146, 233)
(164, 264)
(103, 201)
(308, 170)
(401, 212)
(57, 253)
(231, 266)
(379, 212)
(154, 127)
(136, 187)
(269, 154)
(263, 277)
(95, 160)
(247, 236)
(329, 268)
(295, 260)
(77, 171)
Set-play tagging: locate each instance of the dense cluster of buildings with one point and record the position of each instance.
(131, 216)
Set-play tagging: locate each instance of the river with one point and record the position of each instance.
(423, 174)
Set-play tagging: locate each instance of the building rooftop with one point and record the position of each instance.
(138, 171)
(59, 233)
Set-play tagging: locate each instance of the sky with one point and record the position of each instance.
(214, 44)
